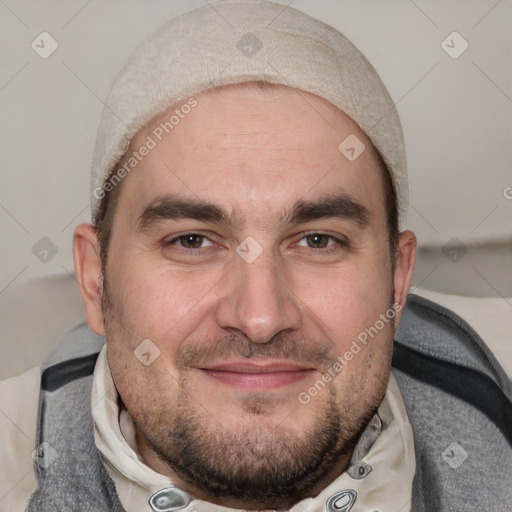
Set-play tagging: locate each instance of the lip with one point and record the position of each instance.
(258, 375)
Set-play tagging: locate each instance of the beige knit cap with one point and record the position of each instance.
(234, 41)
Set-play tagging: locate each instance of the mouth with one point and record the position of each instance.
(258, 375)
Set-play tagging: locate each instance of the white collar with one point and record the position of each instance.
(389, 464)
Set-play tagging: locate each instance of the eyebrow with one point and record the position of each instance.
(342, 206)
(170, 208)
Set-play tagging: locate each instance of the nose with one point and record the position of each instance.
(258, 301)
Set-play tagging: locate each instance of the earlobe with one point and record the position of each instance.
(86, 255)
(404, 269)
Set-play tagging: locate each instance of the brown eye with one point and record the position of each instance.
(317, 240)
(191, 241)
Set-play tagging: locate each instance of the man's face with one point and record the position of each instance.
(251, 253)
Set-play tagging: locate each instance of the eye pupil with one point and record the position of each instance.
(317, 240)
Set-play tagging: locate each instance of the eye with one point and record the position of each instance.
(191, 241)
(318, 241)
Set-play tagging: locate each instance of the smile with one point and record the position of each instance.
(258, 375)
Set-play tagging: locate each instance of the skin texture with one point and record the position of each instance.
(241, 438)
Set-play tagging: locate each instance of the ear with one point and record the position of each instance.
(86, 255)
(404, 268)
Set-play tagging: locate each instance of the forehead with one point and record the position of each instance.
(254, 144)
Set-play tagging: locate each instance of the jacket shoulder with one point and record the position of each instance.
(434, 336)
(458, 399)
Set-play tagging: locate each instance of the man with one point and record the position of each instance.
(247, 271)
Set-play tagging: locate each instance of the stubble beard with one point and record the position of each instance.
(257, 464)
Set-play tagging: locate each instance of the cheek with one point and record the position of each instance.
(350, 307)
(348, 301)
(159, 303)
(142, 387)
